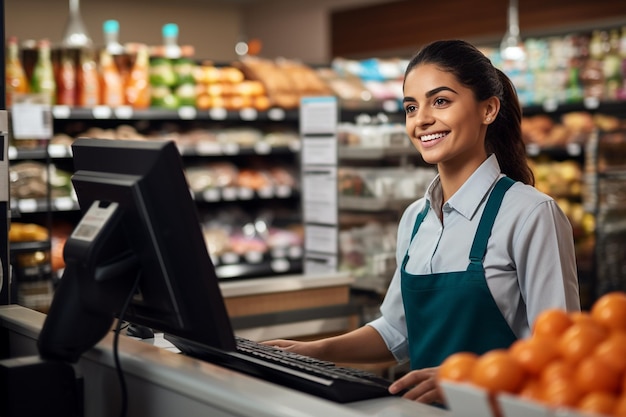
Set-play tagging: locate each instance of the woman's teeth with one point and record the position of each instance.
(428, 138)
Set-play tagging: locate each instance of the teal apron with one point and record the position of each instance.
(454, 311)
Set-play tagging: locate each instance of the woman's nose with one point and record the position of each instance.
(424, 117)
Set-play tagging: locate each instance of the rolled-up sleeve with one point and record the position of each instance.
(392, 324)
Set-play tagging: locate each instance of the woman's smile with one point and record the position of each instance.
(432, 136)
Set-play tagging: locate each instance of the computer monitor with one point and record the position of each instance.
(140, 234)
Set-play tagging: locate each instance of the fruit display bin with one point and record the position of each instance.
(467, 400)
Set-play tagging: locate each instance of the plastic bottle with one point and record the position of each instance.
(66, 80)
(111, 29)
(43, 80)
(16, 81)
(111, 85)
(137, 88)
(88, 82)
(170, 41)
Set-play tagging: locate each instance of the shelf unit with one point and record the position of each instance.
(229, 265)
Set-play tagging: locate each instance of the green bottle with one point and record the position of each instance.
(42, 80)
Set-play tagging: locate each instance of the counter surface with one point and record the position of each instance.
(163, 383)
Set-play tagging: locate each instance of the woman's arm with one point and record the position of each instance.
(363, 345)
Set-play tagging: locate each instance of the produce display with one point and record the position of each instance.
(572, 360)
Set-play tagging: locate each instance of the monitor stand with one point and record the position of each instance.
(33, 387)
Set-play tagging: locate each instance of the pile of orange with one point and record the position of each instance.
(572, 360)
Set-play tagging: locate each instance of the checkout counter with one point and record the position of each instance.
(162, 383)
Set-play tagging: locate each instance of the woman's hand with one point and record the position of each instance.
(303, 348)
(420, 385)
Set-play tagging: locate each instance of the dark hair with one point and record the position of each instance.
(474, 70)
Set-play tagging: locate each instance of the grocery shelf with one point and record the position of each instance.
(374, 153)
(41, 205)
(589, 104)
(267, 267)
(183, 113)
(226, 194)
(29, 247)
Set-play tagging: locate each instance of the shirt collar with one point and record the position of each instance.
(468, 198)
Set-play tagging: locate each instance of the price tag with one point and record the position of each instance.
(276, 113)
(550, 105)
(295, 251)
(532, 149)
(254, 257)
(123, 112)
(574, 149)
(230, 148)
(266, 192)
(246, 193)
(248, 114)
(187, 113)
(64, 203)
(218, 113)
(208, 148)
(391, 106)
(591, 103)
(58, 151)
(262, 148)
(211, 194)
(230, 258)
(61, 112)
(101, 112)
(27, 205)
(229, 193)
(280, 265)
(283, 191)
(31, 117)
(279, 252)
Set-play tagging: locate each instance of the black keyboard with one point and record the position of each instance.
(320, 378)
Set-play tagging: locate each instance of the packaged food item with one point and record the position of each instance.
(43, 80)
(16, 81)
(137, 84)
(111, 84)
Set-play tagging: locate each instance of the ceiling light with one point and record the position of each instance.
(511, 47)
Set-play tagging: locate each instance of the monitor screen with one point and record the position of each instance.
(140, 235)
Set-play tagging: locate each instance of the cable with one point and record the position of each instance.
(116, 358)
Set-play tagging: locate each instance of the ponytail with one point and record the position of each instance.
(504, 135)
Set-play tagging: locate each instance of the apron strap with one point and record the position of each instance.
(479, 247)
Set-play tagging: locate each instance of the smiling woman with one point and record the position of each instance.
(483, 252)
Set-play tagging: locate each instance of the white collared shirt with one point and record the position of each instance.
(530, 264)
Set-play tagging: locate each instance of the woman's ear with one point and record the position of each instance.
(492, 107)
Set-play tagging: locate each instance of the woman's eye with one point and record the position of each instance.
(410, 108)
(440, 102)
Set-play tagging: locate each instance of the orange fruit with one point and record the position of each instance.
(551, 322)
(557, 370)
(612, 350)
(610, 310)
(580, 340)
(593, 374)
(620, 406)
(457, 367)
(498, 371)
(531, 390)
(534, 353)
(581, 317)
(598, 402)
(561, 393)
